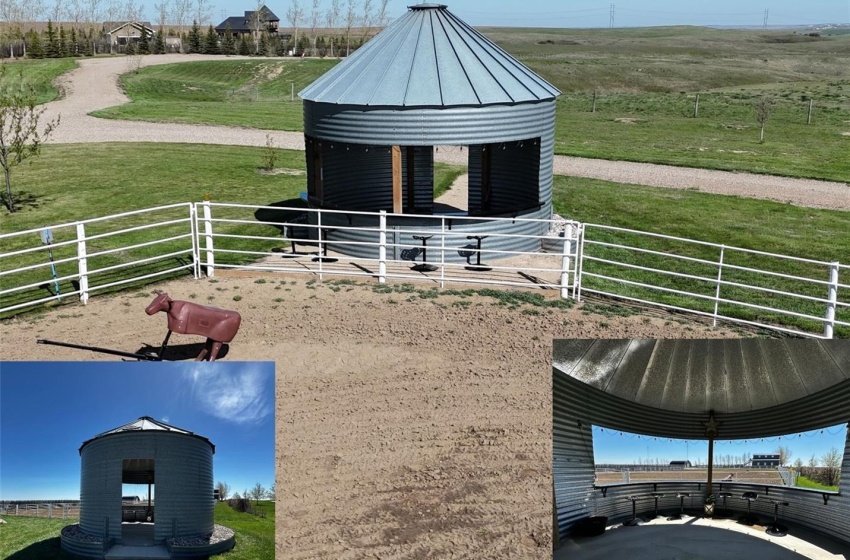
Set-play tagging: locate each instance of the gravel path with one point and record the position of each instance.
(93, 85)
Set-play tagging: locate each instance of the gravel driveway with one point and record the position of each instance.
(94, 85)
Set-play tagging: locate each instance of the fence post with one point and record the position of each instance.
(442, 253)
(322, 249)
(208, 232)
(717, 290)
(382, 247)
(196, 253)
(832, 301)
(565, 262)
(82, 264)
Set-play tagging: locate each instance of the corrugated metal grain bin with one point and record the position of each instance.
(174, 461)
(695, 390)
(373, 122)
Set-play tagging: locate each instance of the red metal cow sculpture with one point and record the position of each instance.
(184, 317)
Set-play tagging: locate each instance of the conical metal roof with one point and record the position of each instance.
(145, 424)
(429, 58)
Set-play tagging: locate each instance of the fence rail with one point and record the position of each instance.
(796, 295)
(47, 510)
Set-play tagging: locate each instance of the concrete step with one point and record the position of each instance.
(124, 552)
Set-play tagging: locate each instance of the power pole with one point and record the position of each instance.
(764, 25)
(611, 20)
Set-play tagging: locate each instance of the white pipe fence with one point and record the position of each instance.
(789, 294)
(49, 510)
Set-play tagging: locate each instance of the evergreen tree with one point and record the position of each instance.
(244, 46)
(263, 46)
(228, 44)
(131, 47)
(211, 42)
(63, 42)
(73, 45)
(34, 47)
(281, 48)
(52, 50)
(144, 46)
(159, 42)
(194, 39)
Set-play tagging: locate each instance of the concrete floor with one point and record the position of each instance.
(695, 538)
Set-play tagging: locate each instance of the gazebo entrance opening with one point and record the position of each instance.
(503, 177)
(137, 502)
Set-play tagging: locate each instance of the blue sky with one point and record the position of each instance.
(611, 446)
(48, 409)
(591, 13)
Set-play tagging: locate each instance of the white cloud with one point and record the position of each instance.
(165, 419)
(233, 392)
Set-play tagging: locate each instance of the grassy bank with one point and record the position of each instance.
(804, 482)
(248, 93)
(37, 73)
(254, 534)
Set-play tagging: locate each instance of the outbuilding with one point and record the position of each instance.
(372, 125)
(176, 466)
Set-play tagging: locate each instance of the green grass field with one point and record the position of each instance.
(254, 534)
(804, 482)
(39, 74)
(30, 538)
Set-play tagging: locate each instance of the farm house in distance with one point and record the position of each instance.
(251, 21)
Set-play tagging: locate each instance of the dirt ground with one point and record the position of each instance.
(407, 427)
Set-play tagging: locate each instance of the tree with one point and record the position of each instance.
(294, 14)
(270, 492)
(832, 467)
(144, 46)
(159, 42)
(179, 13)
(257, 492)
(243, 48)
(22, 131)
(228, 44)
(63, 42)
(223, 490)
(350, 20)
(211, 41)
(763, 107)
(798, 464)
(332, 17)
(784, 455)
(194, 38)
(52, 50)
(315, 20)
(36, 50)
(202, 11)
(257, 23)
(813, 461)
(366, 20)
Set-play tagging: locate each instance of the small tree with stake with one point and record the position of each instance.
(22, 131)
(763, 106)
